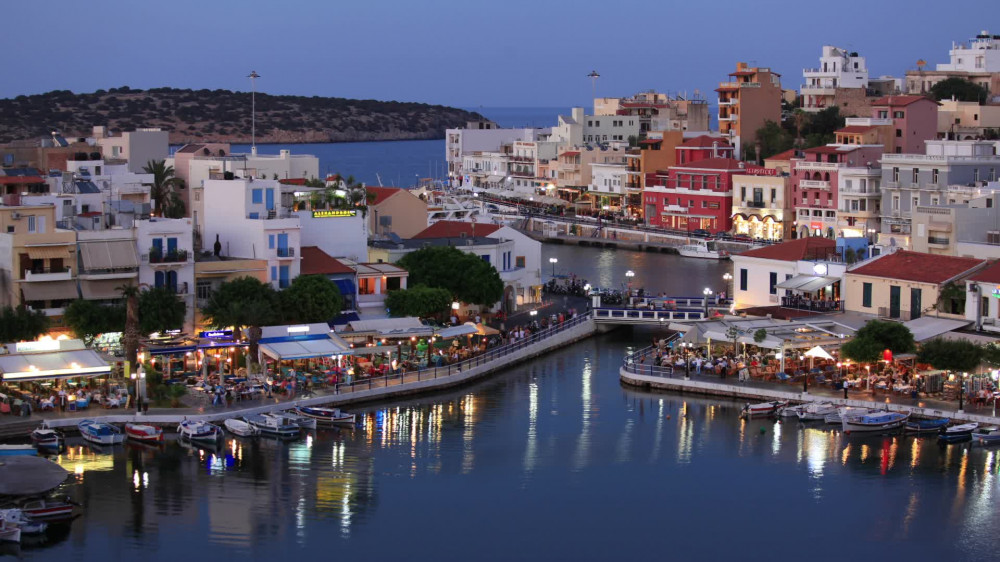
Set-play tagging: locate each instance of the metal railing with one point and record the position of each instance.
(430, 373)
(813, 305)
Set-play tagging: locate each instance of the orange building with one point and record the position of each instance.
(750, 98)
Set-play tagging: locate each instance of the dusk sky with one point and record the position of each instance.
(459, 52)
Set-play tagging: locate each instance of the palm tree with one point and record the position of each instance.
(130, 340)
(163, 191)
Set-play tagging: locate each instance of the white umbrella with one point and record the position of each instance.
(818, 352)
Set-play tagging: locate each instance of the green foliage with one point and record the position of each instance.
(961, 89)
(310, 298)
(951, 299)
(468, 278)
(421, 301)
(160, 310)
(760, 335)
(163, 191)
(850, 256)
(875, 337)
(773, 139)
(819, 128)
(89, 319)
(242, 302)
(950, 355)
(991, 355)
(21, 324)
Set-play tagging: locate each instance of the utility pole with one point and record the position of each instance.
(593, 84)
(253, 76)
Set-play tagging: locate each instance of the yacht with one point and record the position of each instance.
(705, 249)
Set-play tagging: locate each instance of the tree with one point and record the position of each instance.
(760, 335)
(468, 278)
(160, 310)
(876, 336)
(243, 303)
(961, 89)
(89, 319)
(951, 299)
(951, 355)
(772, 140)
(130, 339)
(820, 127)
(163, 191)
(420, 300)
(21, 324)
(311, 298)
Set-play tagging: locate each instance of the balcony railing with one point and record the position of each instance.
(814, 184)
(176, 256)
(286, 252)
(49, 274)
(938, 240)
(819, 165)
(755, 204)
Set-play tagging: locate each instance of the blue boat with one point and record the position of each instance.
(957, 433)
(8, 450)
(926, 426)
(100, 433)
(875, 421)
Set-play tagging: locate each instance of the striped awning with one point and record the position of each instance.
(103, 288)
(109, 255)
(49, 290)
(48, 252)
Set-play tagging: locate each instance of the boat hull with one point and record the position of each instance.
(864, 425)
(145, 433)
(17, 450)
(926, 426)
(327, 416)
(10, 534)
(241, 428)
(202, 432)
(100, 433)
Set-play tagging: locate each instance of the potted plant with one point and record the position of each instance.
(155, 254)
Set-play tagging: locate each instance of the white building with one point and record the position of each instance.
(982, 54)
(838, 68)
(139, 147)
(859, 205)
(607, 185)
(758, 272)
(480, 136)
(340, 234)
(246, 217)
(167, 259)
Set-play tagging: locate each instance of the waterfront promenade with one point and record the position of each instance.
(646, 375)
(341, 395)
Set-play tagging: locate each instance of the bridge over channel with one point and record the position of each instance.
(682, 309)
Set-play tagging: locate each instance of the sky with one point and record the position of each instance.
(465, 53)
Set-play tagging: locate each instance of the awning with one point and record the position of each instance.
(455, 331)
(493, 178)
(818, 352)
(174, 350)
(109, 254)
(55, 364)
(304, 349)
(346, 286)
(927, 327)
(102, 289)
(807, 283)
(49, 290)
(47, 252)
(404, 327)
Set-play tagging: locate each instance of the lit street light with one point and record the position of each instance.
(728, 278)
(553, 261)
(707, 292)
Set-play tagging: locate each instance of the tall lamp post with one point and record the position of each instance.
(961, 392)
(686, 347)
(553, 261)
(138, 375)
(728, 278)
(805, 379)
(708, 292)
(253, 76)
(629, 275)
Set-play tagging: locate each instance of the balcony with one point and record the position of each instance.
(814, 184)
(755, 204)
(858, 192)
(818, 90)
(727, 118)
(844, 213)
(938, 241)
(286, 252)
(866, 121)
(157, 256)
(49, 274)
(727, 102)
(819, 165)
(728, 85)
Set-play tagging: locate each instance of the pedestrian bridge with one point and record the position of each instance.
(609, 315)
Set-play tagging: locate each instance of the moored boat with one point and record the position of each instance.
(331, 416)
(7, 450)
(27, 526)
(241, 428)
(199, 431)
(47, 438)
(836, 416)
(273, 426)
(100, 433)
(292, 418)
(876, 421)
(9, 532)
(957, 433)
(705, 249)
(47, 509)
(816, 411)
(142, 432)
(763, 408)
(987, 435)
(926, 426)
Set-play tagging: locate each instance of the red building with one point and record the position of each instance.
(702, 148)
(696, 195)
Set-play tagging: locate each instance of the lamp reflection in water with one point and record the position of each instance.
(583, 442)
(686, 435)
(531, 448)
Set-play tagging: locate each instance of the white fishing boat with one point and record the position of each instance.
(144, 433)
(987, 435)
(705, 249)
(791, 411)
(834, 417)
(48, 509)
(874, 422)
(241, 428)
(816, 411)
(47, 438)
(273, 426)
(200, 431)
(100, 433)
(27, 526)
(763, 408)
(956, 433)
(292, 418)
(9, 531)
(331, 416)
(6, 450)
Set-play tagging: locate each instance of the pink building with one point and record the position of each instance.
(814, 184)
(914, 120)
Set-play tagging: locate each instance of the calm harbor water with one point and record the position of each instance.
(551, 460)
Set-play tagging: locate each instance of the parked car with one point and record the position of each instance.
(701, 233)
(724, 236)
(742, 238)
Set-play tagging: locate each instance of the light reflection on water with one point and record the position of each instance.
(553, 442)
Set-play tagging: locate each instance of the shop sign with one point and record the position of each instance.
(996, 292)
(760, 171)
(33, 346)
(333, 213)
(217, 334)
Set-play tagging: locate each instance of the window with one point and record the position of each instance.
(895, 174)
(984, 307)
(486, 258)
(899, 133)
(897, 114)
(866, 295)
(283, 274)
(883, 114)
(743, 279)
(270, 241)
(934, 200)
(916, 203)
(257, 196)
(916, 175)
(975, 174)
(158, 279)
(773, 194)
(774, 283)
(274, 273)
(519, 261)
(934, 175)
(31, 223)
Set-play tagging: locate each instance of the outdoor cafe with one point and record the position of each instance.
(52, 373)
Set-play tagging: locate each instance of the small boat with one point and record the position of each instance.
(987, 435)
(957, 433)
(836, 417)
(48, 439)
(27, 526)
(9, 532)
(199, 431)
(926, 426)
(241, 428)
(294, 419)
(273, 426)
(331, 416)
(100, 433)
(816, 411)
(47, 509)
(763, 409)
(876, 421)
(705, 249)
(141, 432)
(9, 450)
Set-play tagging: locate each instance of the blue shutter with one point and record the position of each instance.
(171, 245)
(270, 200)
(282, 242)
(257, 197)
(158, 243)
(283, 276)
(274, 273)
(171, 281)
(270, 241)
(158, 279)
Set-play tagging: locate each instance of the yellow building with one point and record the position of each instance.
(211, 271)
(37, 260)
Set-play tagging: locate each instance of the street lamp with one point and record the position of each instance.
(961, 392)
(728, 278)
(686, 347)
(708, 292)
(553, 261)
(805, 379)
(138, 375)
(843, 378)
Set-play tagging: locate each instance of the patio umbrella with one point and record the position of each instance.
(818, 352)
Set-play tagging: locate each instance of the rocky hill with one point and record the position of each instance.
(222, 115)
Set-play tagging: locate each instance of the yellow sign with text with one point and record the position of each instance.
(333, 213)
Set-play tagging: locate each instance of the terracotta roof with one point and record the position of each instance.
(293, 181)
(812, 247)
(786, 155)
(825, 149)
(455, 229)
(900, 101)
(571, 153)
(382, 193)
(712, 164)
(989, 275)
(650, 141)
(318, 262)
(18, 180)
(855, 129)
(919, 267)
(704, 141)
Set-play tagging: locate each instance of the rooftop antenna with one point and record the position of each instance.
(253, 76)
(593, 83)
